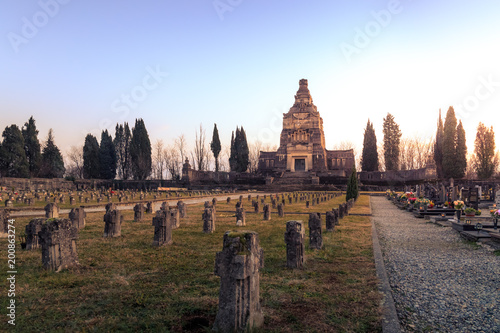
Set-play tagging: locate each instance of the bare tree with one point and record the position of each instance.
(158, 159)
(200, 149)
(75, 157)
(224, 158)
(414, 152)
(180, 144)
(253, 156)
(172, 161)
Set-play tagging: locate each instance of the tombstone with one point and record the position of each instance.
(110, 206)
(238, 265)
(174, 218)
(273, 203)
(453, 190)
(99, 199)
(256, 206)
(113, 223)
(9, 203)
(295, 244)
(249, 197)
(208, 221)
(51, 211)
(214, 202)
(163, 228)
(4, 223)
(330, 221)
(58, 241)
(281, 211)
(164, 206)
(47, 198)
(317, 201)
(149, 207)
(138, 212)
(336, 215)
(77, 217)
(228, 200)
(315, 237)
(267, 212)
(238, 204)
(497, 198)
(341, 211)
(181, 207)
(240, 217)
(307, 204)
(31, 231)
(241, 198)
(87, 200)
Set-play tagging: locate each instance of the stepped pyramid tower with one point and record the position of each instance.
(302, 142)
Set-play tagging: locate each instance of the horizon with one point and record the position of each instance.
(177, 66)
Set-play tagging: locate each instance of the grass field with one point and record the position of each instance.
(125, 284)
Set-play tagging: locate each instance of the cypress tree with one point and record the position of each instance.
(369, 158)
(438, 147)
(485, 162)
(122, 150)
(450, 145)
(52, 161)
(216, 147)
(32, 147)
(91, 167)
(392, 137)
(107, 156)
(13, 162)
(232, 156)
(352, 186)
(140, 151)
(461, 155)
(243, 158)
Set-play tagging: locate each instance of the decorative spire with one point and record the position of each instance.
(303, 94)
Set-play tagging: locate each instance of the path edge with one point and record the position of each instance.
(390, 321)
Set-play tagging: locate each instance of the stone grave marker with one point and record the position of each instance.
(295, 247)
(58, 241)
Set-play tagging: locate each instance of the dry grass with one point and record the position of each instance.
(125, 284)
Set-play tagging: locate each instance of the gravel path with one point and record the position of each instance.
(439, 282)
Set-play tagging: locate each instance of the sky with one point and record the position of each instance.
(81, 67)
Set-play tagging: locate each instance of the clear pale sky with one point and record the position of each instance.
(82, 66)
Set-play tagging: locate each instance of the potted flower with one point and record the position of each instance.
(470, 212)
(458, 204)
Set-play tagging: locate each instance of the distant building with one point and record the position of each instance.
(302, 143)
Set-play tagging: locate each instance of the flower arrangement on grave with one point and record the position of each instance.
(458, 204)
(403, 197)
(469, 211)
(478, 212)
(446, 204)
(495, 213)
(412, 201)
(424, 202)
(431, 204)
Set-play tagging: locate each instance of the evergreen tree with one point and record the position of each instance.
(32, 147)
(52, 160)
(107, 156)
(91, 152)
(369, 158)
(121, 142)
(243, 158)
(392, 137)
(450, 167)
(140, 151)
(13, 162)
(485, 161)
(216, 147)
(438, 147)
(352, 186)
(232, 156)
(461, 155)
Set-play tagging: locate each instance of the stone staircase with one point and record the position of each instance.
(294, 178)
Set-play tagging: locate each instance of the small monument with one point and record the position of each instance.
(58, 240)
(208, 221)
(240, 217)
(52, 211)
(77, 217)
(113, 223)
(267, 212)
(163, 228)
(315, 236)
(138, 212)
(295, 247)
(238, 265)
(32, 229)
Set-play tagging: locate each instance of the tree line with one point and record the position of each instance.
(447, 150)
(129, 155)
